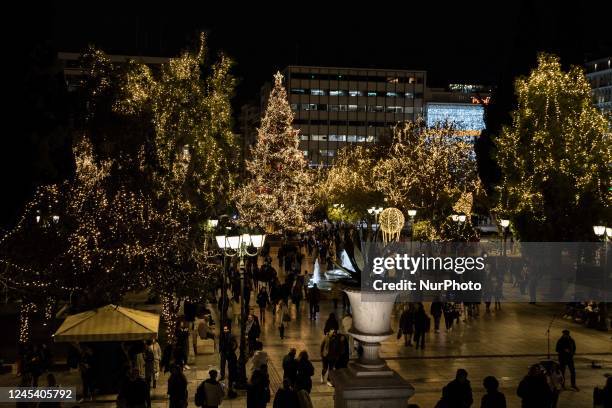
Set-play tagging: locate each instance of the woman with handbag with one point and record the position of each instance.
(283, 317)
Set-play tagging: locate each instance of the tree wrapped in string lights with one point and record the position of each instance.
(278, 193)
(428, 169)
(555, 157)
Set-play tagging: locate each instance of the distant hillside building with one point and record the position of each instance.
(599, 74)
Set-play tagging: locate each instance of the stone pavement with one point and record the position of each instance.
(503, 343)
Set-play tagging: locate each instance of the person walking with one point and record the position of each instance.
(305, 371)
(343, 357)
(331, 324)
(330, 352)
(259, 359)
(436, 312)
(149, 364)
(457, 393)
(177, 387)
(258, 389)
(134, 392)
(493, 398)
(262, 301)
(297, 294)
(157, 354)
(421, 326)
(86, 368)
(210, 392)
(290, 366)
(534, 390)
(227, 350)
(283, 317)
(286, 397)
(51, 383)
(314, 297)
(566, 348)
(406, 325)
(253, 331)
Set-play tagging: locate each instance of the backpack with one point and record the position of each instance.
(200, 395)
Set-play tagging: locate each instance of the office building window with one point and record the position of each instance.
(395, 109)
(371, 93)
(370, 138)
(305, 152)
(337, 92)
(298, 91)
(361, 139)
(333, 108)
(294, 107)
(408, 95)
(327, 153)
(392, 80)
(352, 108)
(351, 138)
(376, 108)
(304, 137)
(355, 93)
(318, 92)
(318, 138)
(392, 94)
(408, 109)
(309, 106)
(337, 138)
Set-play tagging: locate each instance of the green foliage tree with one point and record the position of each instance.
(555, 157)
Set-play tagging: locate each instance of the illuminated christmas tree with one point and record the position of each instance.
(277, 195)
(555, 157)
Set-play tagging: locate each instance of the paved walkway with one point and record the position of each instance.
(503, 343)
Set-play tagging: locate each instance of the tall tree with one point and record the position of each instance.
(278, 193)
(430, 170)
(555, 157)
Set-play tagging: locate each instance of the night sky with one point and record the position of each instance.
(461, 40)
(484, 42)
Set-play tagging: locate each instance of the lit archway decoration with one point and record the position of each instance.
(391, 222)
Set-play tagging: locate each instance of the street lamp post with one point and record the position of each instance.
(375, 211)
(238, 246)
(605, 234)
(411, 214)
(504, 224)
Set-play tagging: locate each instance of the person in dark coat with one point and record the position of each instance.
(534, 390)
(493, 398)
(314, 297)
(305, 371)
(286, 397)
(135, 391)
(566, 348)
(343, 345)
(436, 312)
(177, 388)
(421, 326)
(262, 301)
(458, 393)
(258, 390)
(290, 366)
(406, 325)
(331, 324)
(227, 349)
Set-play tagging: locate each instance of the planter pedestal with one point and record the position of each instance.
(369, 382)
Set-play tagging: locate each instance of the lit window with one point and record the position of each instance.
(318, 92)
(370, 138)
(305, 152)
(361, 139)
(337, 138)
(409, 95)
(343, 108)
(355, 93)
(395, 109)
(371, 93)
(294, 107)
(408, 109)
(333, 108)
(411, 80)
(376, 108)
(352, 108)
(298, 91)
(392, 94)
(304, 137)
(309, 106)
(337, 92)
(351, 138)
(392, 80)
(318, 138)
(327, 153)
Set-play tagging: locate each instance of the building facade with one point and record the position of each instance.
(599, 74)
(336, 107)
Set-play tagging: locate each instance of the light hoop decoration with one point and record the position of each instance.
(391, 222)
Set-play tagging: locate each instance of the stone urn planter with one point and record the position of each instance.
(369, 382)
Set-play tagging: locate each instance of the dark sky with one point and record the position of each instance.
(460, 40)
